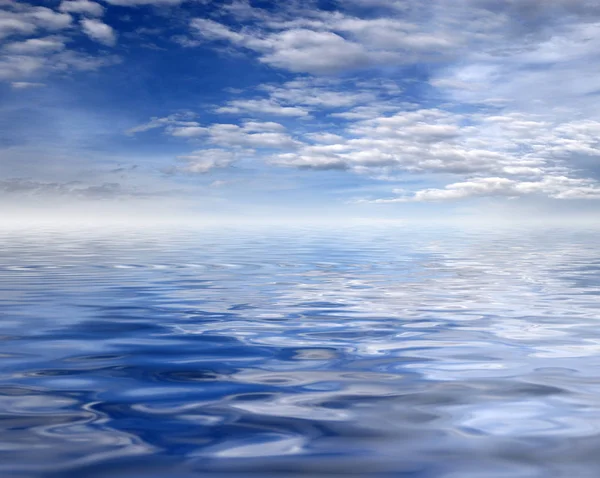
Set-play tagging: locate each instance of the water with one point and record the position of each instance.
(299, 352)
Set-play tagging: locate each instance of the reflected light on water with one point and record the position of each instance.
(299, 352)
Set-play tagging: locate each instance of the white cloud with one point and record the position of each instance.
(22, 68)
(11, 24)
(30, 54)
(85, 7)
(212, 30)
(73, 60)
(49, 19)
(176, 119)
(24, 85)
(500, 155)
(510, 155)
(203, 161)
(15, 66)
(73, 189)
(305, 96)
(422, 140)
(263, 126)
(558, 187)
(310, 51)
(262, 106)
(191, 130)
(99, 31)
(329, 43)
(252, 134)
(24, 19)
(331, 93)
(35, 46)
(502, 48)
(526, 69)
(248, 137)
(135, 3)
(325, 138)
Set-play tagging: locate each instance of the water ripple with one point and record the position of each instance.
(351, 352)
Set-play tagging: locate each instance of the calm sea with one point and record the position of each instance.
(269, 352)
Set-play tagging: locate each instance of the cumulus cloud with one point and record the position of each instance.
(49, 19)
(421, 140)
(99, 31)
(489, 53)
(558, 187)
(203, 161)
(15, 66)
(302, 50)
(510, 155)
(504, 103)
(305, 96)
(500, 155)
(251, 134)
(262, 106)
(135, 3)
(84, 7)
(20, 67)
(248, 136)
(35, 46)
(329, 44)
(24, 19)
(535, 57)
(36, 41)
(316, 93)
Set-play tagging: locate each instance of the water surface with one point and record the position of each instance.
(299, 352)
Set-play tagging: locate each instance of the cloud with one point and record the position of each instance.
(247, 136)
(24, 19)
(488, 98)
(558, 187)
(30, 53)
(302, 50)
(305, 96)
(325, 138)
(176, 119)
(499, 155)
(496, 38)
(23, 85)
(317, 93)
(329, 44)
(49, 19)
(135, 3)
(75, 189)
(15, 66)
(11, 25)
(308, 158)
(422, 140)
(84, 7)
(35, 46)
(298, 50)
(263, 126)
(203, 161)
(251, 134)
(262, 106)
(21, 67)
(99, 31)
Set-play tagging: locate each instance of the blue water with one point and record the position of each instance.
(299, 352)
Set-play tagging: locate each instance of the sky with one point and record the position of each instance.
(381, 109)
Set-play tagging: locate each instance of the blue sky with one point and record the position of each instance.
(353, 108)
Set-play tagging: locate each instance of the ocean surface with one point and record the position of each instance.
(284, 352)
